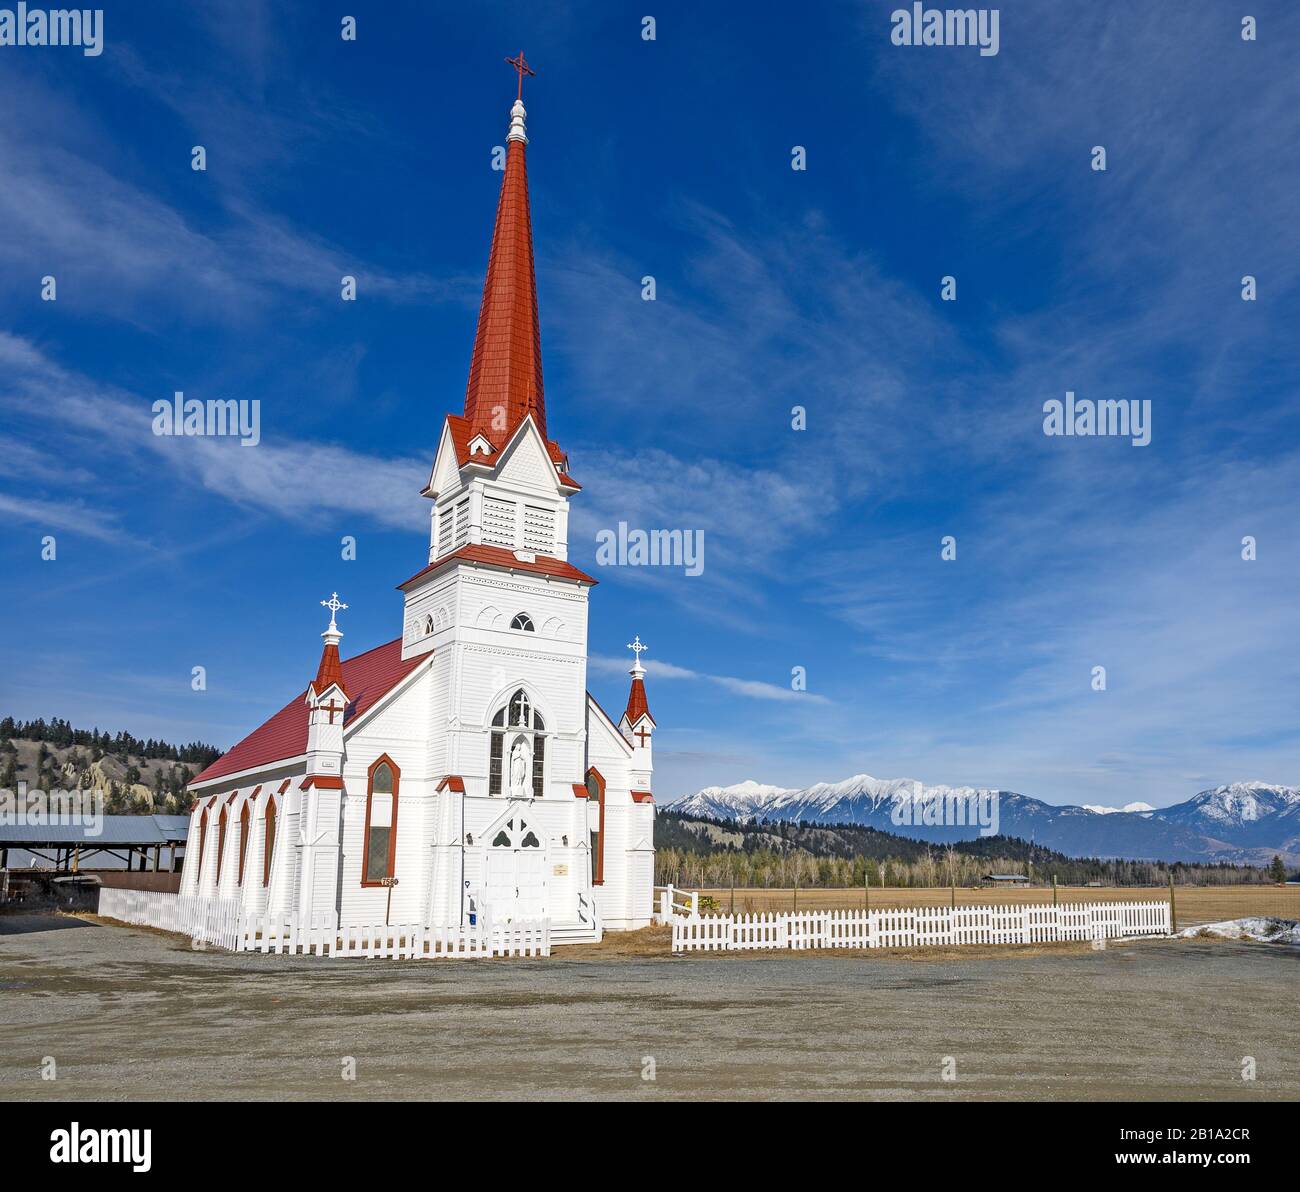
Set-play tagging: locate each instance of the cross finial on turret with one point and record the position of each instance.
(638, 649)
(333, 604)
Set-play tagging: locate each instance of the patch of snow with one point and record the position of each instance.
(1129, 808)
(1265, 929)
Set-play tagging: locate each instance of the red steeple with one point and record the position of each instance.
(636, 702)
(331, 669)
(505, 373)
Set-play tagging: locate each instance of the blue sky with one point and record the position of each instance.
(775, 288)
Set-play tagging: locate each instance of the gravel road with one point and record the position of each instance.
(129, 1013)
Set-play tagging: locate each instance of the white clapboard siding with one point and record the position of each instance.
(222, 924)
(918, 927)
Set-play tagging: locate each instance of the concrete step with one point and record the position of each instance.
(574, 933)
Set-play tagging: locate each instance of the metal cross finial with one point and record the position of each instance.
(333, 604)
(522, 68)
(637, 648)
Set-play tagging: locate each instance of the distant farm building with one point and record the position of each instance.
(1006, 879)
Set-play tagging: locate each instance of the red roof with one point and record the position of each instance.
(505, 372)
(455, 782)
(500, 556)
(636, 703)
(642, 797)
(369, 677)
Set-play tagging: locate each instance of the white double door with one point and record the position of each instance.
(516, 871)
(516, 883)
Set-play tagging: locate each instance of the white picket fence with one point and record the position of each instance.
(222, 924)
(912, 927)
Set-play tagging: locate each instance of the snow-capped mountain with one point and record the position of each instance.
(1241, 822)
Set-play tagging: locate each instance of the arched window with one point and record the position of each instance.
(203, 841)
(221, 843)
(428, 623)
(522, 621)
(243, 840)
(517, 749)
(380, 850)
(596, 791)
(268, 841)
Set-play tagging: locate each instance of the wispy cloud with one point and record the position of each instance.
(752, 688)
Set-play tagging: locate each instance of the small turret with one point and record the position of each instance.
(637, 725)
(327, 701)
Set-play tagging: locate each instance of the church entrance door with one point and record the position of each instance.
(516, 867)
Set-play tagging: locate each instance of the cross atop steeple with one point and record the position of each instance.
(333, 604)
(521, 66)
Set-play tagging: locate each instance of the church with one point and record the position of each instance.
(461, 772)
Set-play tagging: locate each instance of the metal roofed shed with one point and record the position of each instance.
(113, 837)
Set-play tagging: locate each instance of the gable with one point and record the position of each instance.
(602, 732)
(526, 463)
(445, 476)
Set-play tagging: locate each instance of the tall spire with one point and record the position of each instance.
(505, 373)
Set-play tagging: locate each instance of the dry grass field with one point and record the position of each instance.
(1193, 904)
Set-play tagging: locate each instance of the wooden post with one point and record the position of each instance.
(1053, 889)
(954, 893)
(796, 893)
(1173, 910)
(733, 891)
(866, 890)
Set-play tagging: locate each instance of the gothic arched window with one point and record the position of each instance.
(243, 840)
(522, 621)
(268, 842)
(596, 790)
(517, 751)
(221, 843)
(380, 850)
(203, 841)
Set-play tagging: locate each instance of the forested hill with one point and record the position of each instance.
(707, 852)
(136, 776)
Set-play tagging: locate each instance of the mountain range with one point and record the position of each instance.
(1243, 822)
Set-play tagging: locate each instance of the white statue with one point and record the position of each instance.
(519, 758)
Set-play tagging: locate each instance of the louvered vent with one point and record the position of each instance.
(462, 525)
(498, 522)
(539, 530)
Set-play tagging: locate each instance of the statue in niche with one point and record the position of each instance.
(520, 756)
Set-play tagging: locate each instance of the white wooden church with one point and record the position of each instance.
(462, 769)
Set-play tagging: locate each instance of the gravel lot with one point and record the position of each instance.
(130, 1013)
